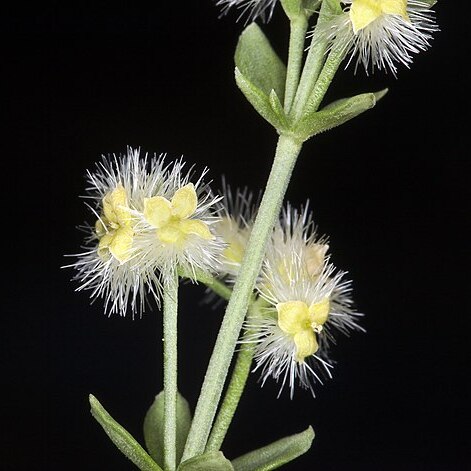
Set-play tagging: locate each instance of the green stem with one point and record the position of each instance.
(232, 397)
(312, 68)
(236, 385)
(170, 310)
(298, 28)
(336, 56)
(285, 158)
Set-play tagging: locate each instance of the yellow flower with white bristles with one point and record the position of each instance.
(176, 226)
(147, 216)
(379, 34)
(308, 302)
(237, 215)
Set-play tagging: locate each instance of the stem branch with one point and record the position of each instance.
(285, 158)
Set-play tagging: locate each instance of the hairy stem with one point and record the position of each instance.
(170, 310)
(298, 30)
(286, 154)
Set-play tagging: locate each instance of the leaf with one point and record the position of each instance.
(258, 99)
(430, 3)
(154, 427)
(125, 442)
(259, 63)
(335, 114)
(212, 461)
(277, 108)
(277, 454)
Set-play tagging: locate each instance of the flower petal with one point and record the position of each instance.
(115, 205)
(184, 201)
(171, 234)
(306, 344)
(157, 211)
(196, 227)
(292, 316)
(121, 244)
(319, 312)
(364, 12)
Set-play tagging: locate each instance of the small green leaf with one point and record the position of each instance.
(154, 427)
(125, 442)
(334, 6)
(277, 454)
(277, 107)
(430, 3)
(259, 63)
(258, 99)
(335, 114)
(212, 461)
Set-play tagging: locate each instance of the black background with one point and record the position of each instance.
(389, 188)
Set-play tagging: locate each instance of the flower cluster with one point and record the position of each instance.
(305, 301)
(378, 34)
(149, 219)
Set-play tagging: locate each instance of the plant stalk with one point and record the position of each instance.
(285, 158)
(298, 29)
(170, 315)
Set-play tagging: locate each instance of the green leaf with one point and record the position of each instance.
(212, 461)
(125, 442)
(154, 427)
(333, 7)
(277, 108)
(258, 99)
(335, 114)
(277, 454)
(259, 63)
(430, 3)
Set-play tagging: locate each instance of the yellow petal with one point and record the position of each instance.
(171, 234)
(234, 252)
(115, 205)
(319, 312)
(395, 7)
(157, 211)
(121, 244)
(364, 12)
(306, 344)
(184, 201)
(196, 227)
(104, 244)
(293, 316)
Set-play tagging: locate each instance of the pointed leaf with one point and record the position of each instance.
(259, 63)
(258, 99)
(125, 442)
(277, 454)
(277, 107)
(212, 461)
(154, 427)
(335, 114)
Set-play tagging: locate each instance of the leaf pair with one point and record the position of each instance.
(260, 74)
(266, 458)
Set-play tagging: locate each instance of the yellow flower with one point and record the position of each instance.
(115, 226)
(302, 322)
(364, 12)
(172, 219)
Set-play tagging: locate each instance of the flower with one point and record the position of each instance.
(382, 33)
(252, 8)
(148, 218)
(307, 303)
(176, 225)
(238, 210)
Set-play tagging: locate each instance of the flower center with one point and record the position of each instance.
(364, 12)
(172, 219)
(302, 323)
(115, 227)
